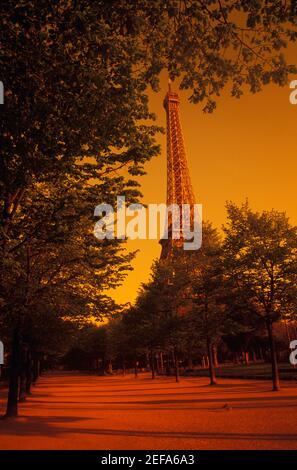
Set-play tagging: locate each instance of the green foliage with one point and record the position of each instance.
(223, 291)
(208, 291)
(260, 251)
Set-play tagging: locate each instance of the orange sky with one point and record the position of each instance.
(245, 149)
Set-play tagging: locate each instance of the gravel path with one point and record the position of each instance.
(68, 411)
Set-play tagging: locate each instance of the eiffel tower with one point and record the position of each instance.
(179, 186)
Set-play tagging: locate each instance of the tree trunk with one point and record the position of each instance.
(215, 356)
(29, 374)
(22, 380)
(157, 364)
(176, 364)
(13, 391)
(22, 388)
(161, 362)
(153, 364)
(212, 374)
(109, 367)
(135, 368)
(254, 357)
(237, 358)
(124, 366)
(36, 369)
(190, 362)
(147, 360)
(23, 372)
(41, 367)
(274, 368)
(167, 366)
(246, 358)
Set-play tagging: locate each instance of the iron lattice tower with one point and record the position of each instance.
(179, 186)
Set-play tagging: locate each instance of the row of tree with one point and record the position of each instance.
(227, 296)
(74, 112)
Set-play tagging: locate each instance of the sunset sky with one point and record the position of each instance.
(245, 149)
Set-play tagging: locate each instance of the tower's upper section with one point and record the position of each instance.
(171, 98)
(179, 187)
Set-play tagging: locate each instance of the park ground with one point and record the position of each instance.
(74, 411)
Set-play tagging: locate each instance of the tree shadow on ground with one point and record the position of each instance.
(56, 426)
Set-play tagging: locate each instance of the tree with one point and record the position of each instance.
(75, 110)
(164, 302)
(60, 269)
(208, 317)
(81, 90)
(260, 255)
(148, 318)
(93, 341)
(69, 92)
(245, 332)
(126, 339)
